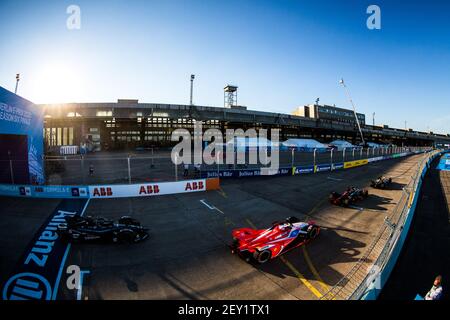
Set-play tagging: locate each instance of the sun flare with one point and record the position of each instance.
(57, 83)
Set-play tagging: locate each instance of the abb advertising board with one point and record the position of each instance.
(147, 189)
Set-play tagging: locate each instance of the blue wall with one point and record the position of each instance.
(20, 116)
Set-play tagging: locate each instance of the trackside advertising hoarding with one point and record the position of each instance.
(356, 163)
(60, 192)
(147, 189)
(109, 191)
(380, 158)
(240, 173)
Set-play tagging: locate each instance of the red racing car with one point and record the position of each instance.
(263, 245)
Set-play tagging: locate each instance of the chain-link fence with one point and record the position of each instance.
(157, 165)
(356, 281)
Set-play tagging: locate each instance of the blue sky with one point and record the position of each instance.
(281, 54)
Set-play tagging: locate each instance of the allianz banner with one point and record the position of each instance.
(38, 272)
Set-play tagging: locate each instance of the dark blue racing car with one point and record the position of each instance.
(126, 229)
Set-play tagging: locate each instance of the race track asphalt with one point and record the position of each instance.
(187, 256)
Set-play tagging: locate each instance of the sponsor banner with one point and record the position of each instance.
(356, 163)
(9, 190)
(60, 192)
(231, 173)
(303, 169)
(399, 155)
(380, 158)
(322, 167)
(337, 166)
(38, 272)
(240, 173)
(146, 189)
(276, 172)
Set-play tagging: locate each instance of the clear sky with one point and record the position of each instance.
(281, 54)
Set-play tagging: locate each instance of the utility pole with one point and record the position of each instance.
(373, 119)
(17, 82)
(192, 87)
(354, 110)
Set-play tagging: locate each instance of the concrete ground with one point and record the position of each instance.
(187, 255)
(426, 250)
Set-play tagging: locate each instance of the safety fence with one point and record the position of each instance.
(302, 169)
(109, 191)
(369, 274)
(157, 165)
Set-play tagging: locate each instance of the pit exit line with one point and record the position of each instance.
(210, 207)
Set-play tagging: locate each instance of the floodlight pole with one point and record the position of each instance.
(17, 82)
(354, 109)
(192, 88)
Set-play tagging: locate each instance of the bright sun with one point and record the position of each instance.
(57, 83)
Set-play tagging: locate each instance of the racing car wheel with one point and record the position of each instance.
(126, 236)
(126, 220)
(313, 232)
(263, 256)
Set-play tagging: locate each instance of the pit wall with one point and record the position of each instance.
(241, 173)
(110, 191)
(374, 289)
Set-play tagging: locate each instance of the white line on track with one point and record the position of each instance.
(334, 179)
(80, 285)
(357, 208)
(63, 262)
(210, 207)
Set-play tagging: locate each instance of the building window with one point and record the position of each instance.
(65, 137)
(73, 114)
(71, 136)
(104, 113)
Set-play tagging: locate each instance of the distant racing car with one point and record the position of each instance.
(266, 244)
(89, 228)
(381, 182)
(350, 196)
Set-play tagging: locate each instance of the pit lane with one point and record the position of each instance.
(187, 257)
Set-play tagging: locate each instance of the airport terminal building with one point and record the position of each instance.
(128, 124)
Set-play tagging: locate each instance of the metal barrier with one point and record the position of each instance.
(156, 166)
(367, 269)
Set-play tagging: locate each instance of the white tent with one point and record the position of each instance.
(251, 142)
(373, 145)
(304, 144)
(341, 144)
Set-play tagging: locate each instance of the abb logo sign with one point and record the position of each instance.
(145, 190)
(194, 186)
(102, 192)
(149, 189)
